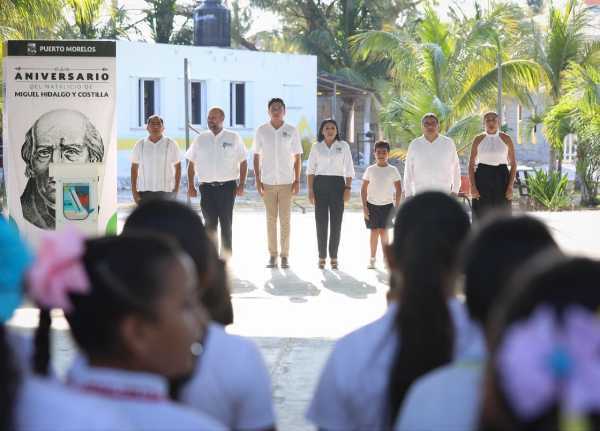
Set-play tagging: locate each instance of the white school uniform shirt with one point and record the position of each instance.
(448, 398)
(492, 150)
(352, 390)
(232, 383)
(277, 149)
(156, 161)
(44, 405)
(142, 398)
(335, 160)
(381, 189)
(431, 166)
(217, 158)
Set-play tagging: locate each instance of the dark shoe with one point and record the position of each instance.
(284, 263)
(321, 263)
(272, 262)
(333, 263)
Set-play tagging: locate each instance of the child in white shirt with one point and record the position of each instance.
(380, 192)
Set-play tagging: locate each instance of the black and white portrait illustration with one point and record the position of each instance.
(58, 136)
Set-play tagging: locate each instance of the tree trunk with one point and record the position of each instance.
(552, 160)
(344, 125)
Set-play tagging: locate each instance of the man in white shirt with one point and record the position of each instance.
(218, 158)
(155, 164)
(432, 161)
(277, 151)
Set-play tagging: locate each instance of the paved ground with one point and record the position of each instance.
(295, 316)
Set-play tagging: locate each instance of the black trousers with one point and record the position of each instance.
(329, 210)
(492, 182)
(216, 203)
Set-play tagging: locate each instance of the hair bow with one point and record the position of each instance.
(14, 260)
(542, 362)
(59, 270)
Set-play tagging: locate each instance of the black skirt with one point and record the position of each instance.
(379, 216)
(492, 182)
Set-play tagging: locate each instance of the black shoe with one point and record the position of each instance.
(272, 262)
(284, 263)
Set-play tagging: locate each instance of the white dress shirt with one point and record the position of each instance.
(335, 160)
(431, 166)
(277, 149)
(217, 158)
(492, 150)
(352, 390)
(232, 383)
(156, 161)
(142, 398)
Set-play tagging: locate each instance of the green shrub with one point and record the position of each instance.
(549, 190)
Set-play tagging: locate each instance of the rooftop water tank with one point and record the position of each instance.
(212, 24)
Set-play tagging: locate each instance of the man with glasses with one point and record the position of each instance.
(277, 152)
(431, 161)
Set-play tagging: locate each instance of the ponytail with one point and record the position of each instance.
(428, 233)
(41, 355)
(10, 380)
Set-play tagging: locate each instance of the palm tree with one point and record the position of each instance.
(448, 69)
(578, 112)
(27, 18)
(562, 44)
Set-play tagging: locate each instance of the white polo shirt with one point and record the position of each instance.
(352, 390)
(141, 398)
(431, 166)
(44, 405)
(277, 148)
(231, 383)
(217, 158)
(335, 160)
(156, 161)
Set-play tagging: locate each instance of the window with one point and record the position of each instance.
(237, 106)
(570, 148)
(197, 102)
(148, 100)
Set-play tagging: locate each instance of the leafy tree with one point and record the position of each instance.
(450, 69)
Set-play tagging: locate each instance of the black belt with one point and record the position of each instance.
(217, 183)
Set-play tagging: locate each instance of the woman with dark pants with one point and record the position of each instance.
(491, 181)
(330, 173)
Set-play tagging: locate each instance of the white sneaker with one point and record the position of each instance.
(371, 263)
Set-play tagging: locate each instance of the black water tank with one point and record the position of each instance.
(212, 24)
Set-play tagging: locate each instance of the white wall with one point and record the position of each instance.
(267, 75)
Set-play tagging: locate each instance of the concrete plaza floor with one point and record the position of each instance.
(296, 315)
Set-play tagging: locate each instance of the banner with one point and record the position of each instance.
(60, 135)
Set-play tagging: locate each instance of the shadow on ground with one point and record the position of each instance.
(287, 283)
(341, 282)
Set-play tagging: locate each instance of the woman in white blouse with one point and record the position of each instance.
(330, 173)
(491, 181)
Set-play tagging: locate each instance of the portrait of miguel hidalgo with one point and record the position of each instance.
(59, 136)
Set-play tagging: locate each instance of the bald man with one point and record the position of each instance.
(217, 158)
(59, 136)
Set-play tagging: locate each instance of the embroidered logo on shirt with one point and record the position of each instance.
(227, 144)
(338, 149)
(285, 134)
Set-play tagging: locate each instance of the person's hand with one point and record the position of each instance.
(474, 192)
(311, 197)
(366, 213)
(192, 192)
(240, 190)
(260, 188)
(136, 196)
(509, 193)
(295, 187)
(346, 195)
